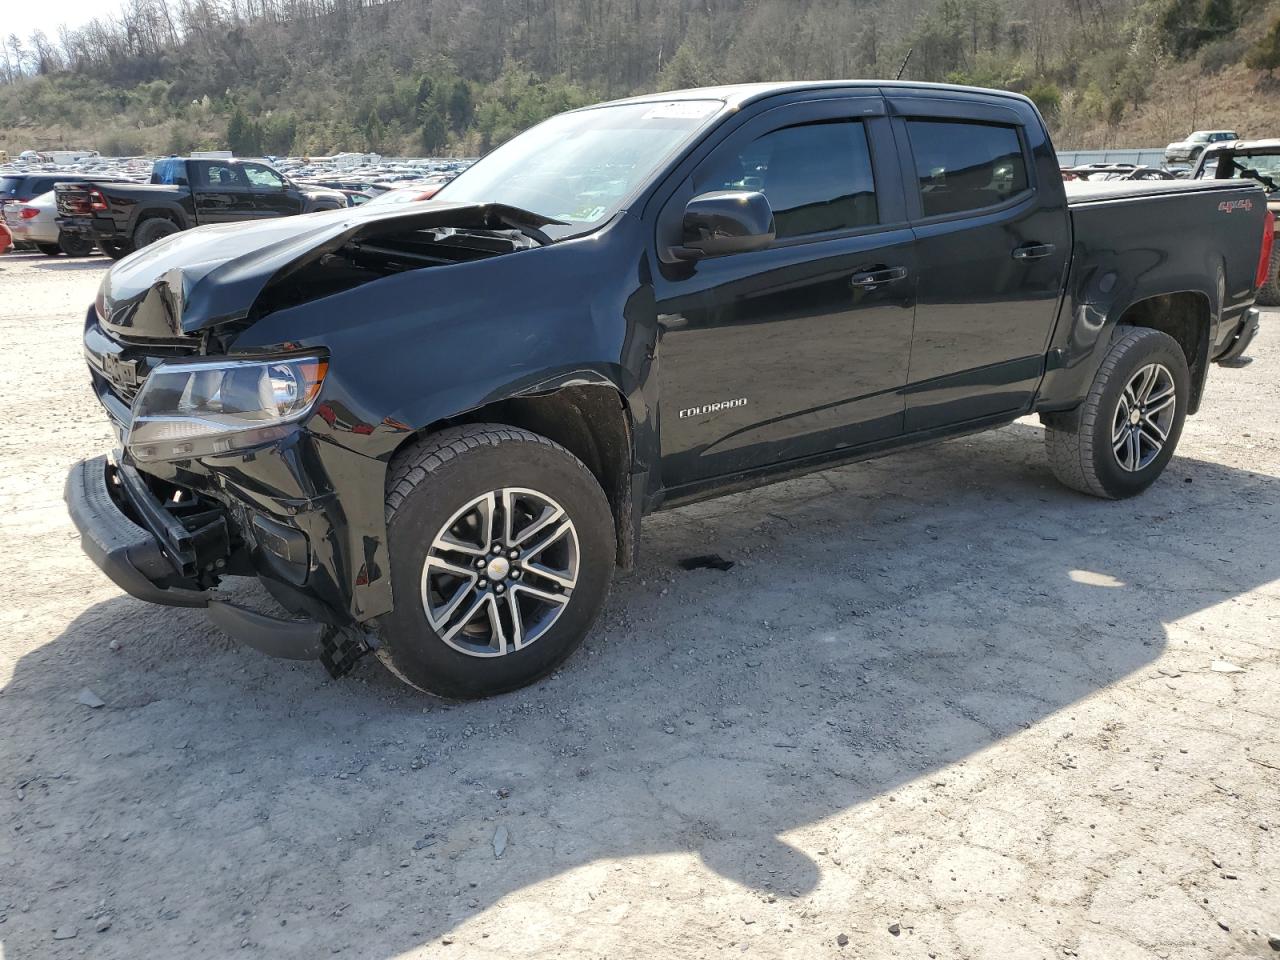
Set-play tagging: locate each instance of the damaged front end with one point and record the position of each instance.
(226, 463)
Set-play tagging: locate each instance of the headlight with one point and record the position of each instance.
(194, 409)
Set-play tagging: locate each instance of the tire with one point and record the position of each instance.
(75, 244)
(115, 249)
(431, 486)
(1079, 443)
(49, 249)
(151, 230)
(1269, 292)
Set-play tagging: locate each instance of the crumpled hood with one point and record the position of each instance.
(211, 275)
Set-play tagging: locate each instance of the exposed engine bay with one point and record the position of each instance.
(364, 259)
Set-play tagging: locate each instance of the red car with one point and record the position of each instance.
(6, 238)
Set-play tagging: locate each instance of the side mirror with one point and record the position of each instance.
(726, 221)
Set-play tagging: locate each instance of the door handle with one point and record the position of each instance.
(1034, 251)
(877, 277)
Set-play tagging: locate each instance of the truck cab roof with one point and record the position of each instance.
(740, 94)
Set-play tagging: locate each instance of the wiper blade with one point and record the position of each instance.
(526, 222)
(1252, 174)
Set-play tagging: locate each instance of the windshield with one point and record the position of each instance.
(1263, 167)
(579, 167)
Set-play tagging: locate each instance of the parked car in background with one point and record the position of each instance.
(1115, 171)
(1189, 150)
(183, 193)
(356, 198)
(35, 222)
(21, 188)
(1250, 160)
(407, 194)
(433, 429)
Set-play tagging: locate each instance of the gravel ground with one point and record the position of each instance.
(941, 707)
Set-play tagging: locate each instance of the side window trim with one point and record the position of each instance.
(911, 185)
(867, 110)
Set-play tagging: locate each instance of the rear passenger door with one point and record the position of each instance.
(221, 192)
(992, 240)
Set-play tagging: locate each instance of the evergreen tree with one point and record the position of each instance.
(1265, 54)
(238, 132)
(1217, 20)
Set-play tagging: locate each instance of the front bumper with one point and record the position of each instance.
(124, 530)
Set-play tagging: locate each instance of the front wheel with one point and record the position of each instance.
(502, 548)
(1118, 442)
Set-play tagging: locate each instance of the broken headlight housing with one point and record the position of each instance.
(187, 410)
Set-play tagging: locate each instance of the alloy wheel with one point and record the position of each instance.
(500, 572)
(1143, 417)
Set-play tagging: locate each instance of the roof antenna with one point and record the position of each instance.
(903, 69)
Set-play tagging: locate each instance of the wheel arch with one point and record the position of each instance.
(589, 419)
(154, 212)
(1187, 317)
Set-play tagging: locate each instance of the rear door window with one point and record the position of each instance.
(9, 187)
(963, 165)
(817, 177)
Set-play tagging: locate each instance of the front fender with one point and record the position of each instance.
(412, 350)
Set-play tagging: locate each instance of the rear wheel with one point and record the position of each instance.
(151, 230)
(1269, 292)
(49, 249)
(502, 550)
(75, 244)
(1118, 442)
(115, 249)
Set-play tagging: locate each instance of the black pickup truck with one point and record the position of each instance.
(432, 429)
(123, 217)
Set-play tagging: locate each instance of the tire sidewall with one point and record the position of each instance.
(1153, 348)
(74, 245)
(151, 230)
(412, 649)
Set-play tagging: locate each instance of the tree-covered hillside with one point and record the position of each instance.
(434, 76)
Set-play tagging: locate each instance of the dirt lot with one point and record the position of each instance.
(941, 707)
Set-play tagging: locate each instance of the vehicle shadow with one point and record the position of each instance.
(883, 621)
(72, 264)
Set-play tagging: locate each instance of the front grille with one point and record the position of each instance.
(119, 368)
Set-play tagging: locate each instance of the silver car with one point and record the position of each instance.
(35, 222)
(1189, 150)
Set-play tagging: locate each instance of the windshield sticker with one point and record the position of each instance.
(682, 110)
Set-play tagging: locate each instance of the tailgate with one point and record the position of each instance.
(78, 199)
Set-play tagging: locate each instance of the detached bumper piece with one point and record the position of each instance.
(159, 553)
(1243, 337)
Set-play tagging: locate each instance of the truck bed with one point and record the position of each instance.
(1086, 191)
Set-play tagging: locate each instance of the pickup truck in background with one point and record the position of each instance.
(183, 193)
(432, 429)
(1257, 160)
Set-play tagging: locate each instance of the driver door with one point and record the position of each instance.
(272, 194)
(773, 356)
